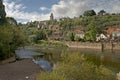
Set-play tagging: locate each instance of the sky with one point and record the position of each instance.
(38, 10)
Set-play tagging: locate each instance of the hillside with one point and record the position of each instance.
(61, 29)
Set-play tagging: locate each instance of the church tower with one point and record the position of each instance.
(51, 17)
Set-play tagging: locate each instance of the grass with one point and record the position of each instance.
(52, 44)
(75, 67)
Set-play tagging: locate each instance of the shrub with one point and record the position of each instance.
(75, 67)
(11, 38)
(51, 76)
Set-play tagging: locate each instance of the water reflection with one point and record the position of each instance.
(106, 58)
(110, 61)
(47, 58)
(45, 65)
(43, 62)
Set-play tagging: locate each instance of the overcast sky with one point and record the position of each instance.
(31, 10)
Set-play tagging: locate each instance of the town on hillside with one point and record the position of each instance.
(93, 28)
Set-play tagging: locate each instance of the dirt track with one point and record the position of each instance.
(20, 70)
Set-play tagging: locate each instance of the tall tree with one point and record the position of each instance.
(2, 10)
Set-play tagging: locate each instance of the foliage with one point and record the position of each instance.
(67, 25)
(77, 38)
(32, 24)
(2, 10)
(71, 36)
(40, 35)
(51, 76)
(101, 12)
(11, 36)
(10, 39)
(34, 35)
(19, 37)
(32, 38)
(91, 32)
(5, 40)
(11, 20)
(75, 67)
(89, 13)
(54, 22)
(51, 44)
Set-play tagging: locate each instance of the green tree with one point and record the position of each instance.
(91, 32)
(40, 35)
(2, 12)
(101, 12)
(89, 13)
(5, 40)
(19, 37)
(11, 37)
(11, 20)
(71, 36)
(77, 38)
(66, 23)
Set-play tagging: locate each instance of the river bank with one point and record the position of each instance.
(89, 45)
(93, 45)
(23, 69)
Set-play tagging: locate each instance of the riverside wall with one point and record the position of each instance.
(93, 45)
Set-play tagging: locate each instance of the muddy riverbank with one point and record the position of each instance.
(23, 69)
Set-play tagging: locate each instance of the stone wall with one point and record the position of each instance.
(93, 45)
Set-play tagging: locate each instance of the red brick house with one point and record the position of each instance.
(113, 33)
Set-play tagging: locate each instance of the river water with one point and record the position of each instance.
(48, 62)
(28, 52)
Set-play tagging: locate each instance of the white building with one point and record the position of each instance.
(101, 37)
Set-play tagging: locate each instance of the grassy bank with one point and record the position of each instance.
(45, 43)
(76, 67)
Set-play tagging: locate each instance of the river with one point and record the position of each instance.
(48, 62)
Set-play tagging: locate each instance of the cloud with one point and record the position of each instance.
(69, 8)
(72, 8)
(64, 8)
(43, 8)
(17, 11)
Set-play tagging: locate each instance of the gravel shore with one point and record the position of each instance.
(24, 69)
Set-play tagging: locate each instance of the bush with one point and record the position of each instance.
(75, 67)
(11, 38)
(52, 44)
(51, 76)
